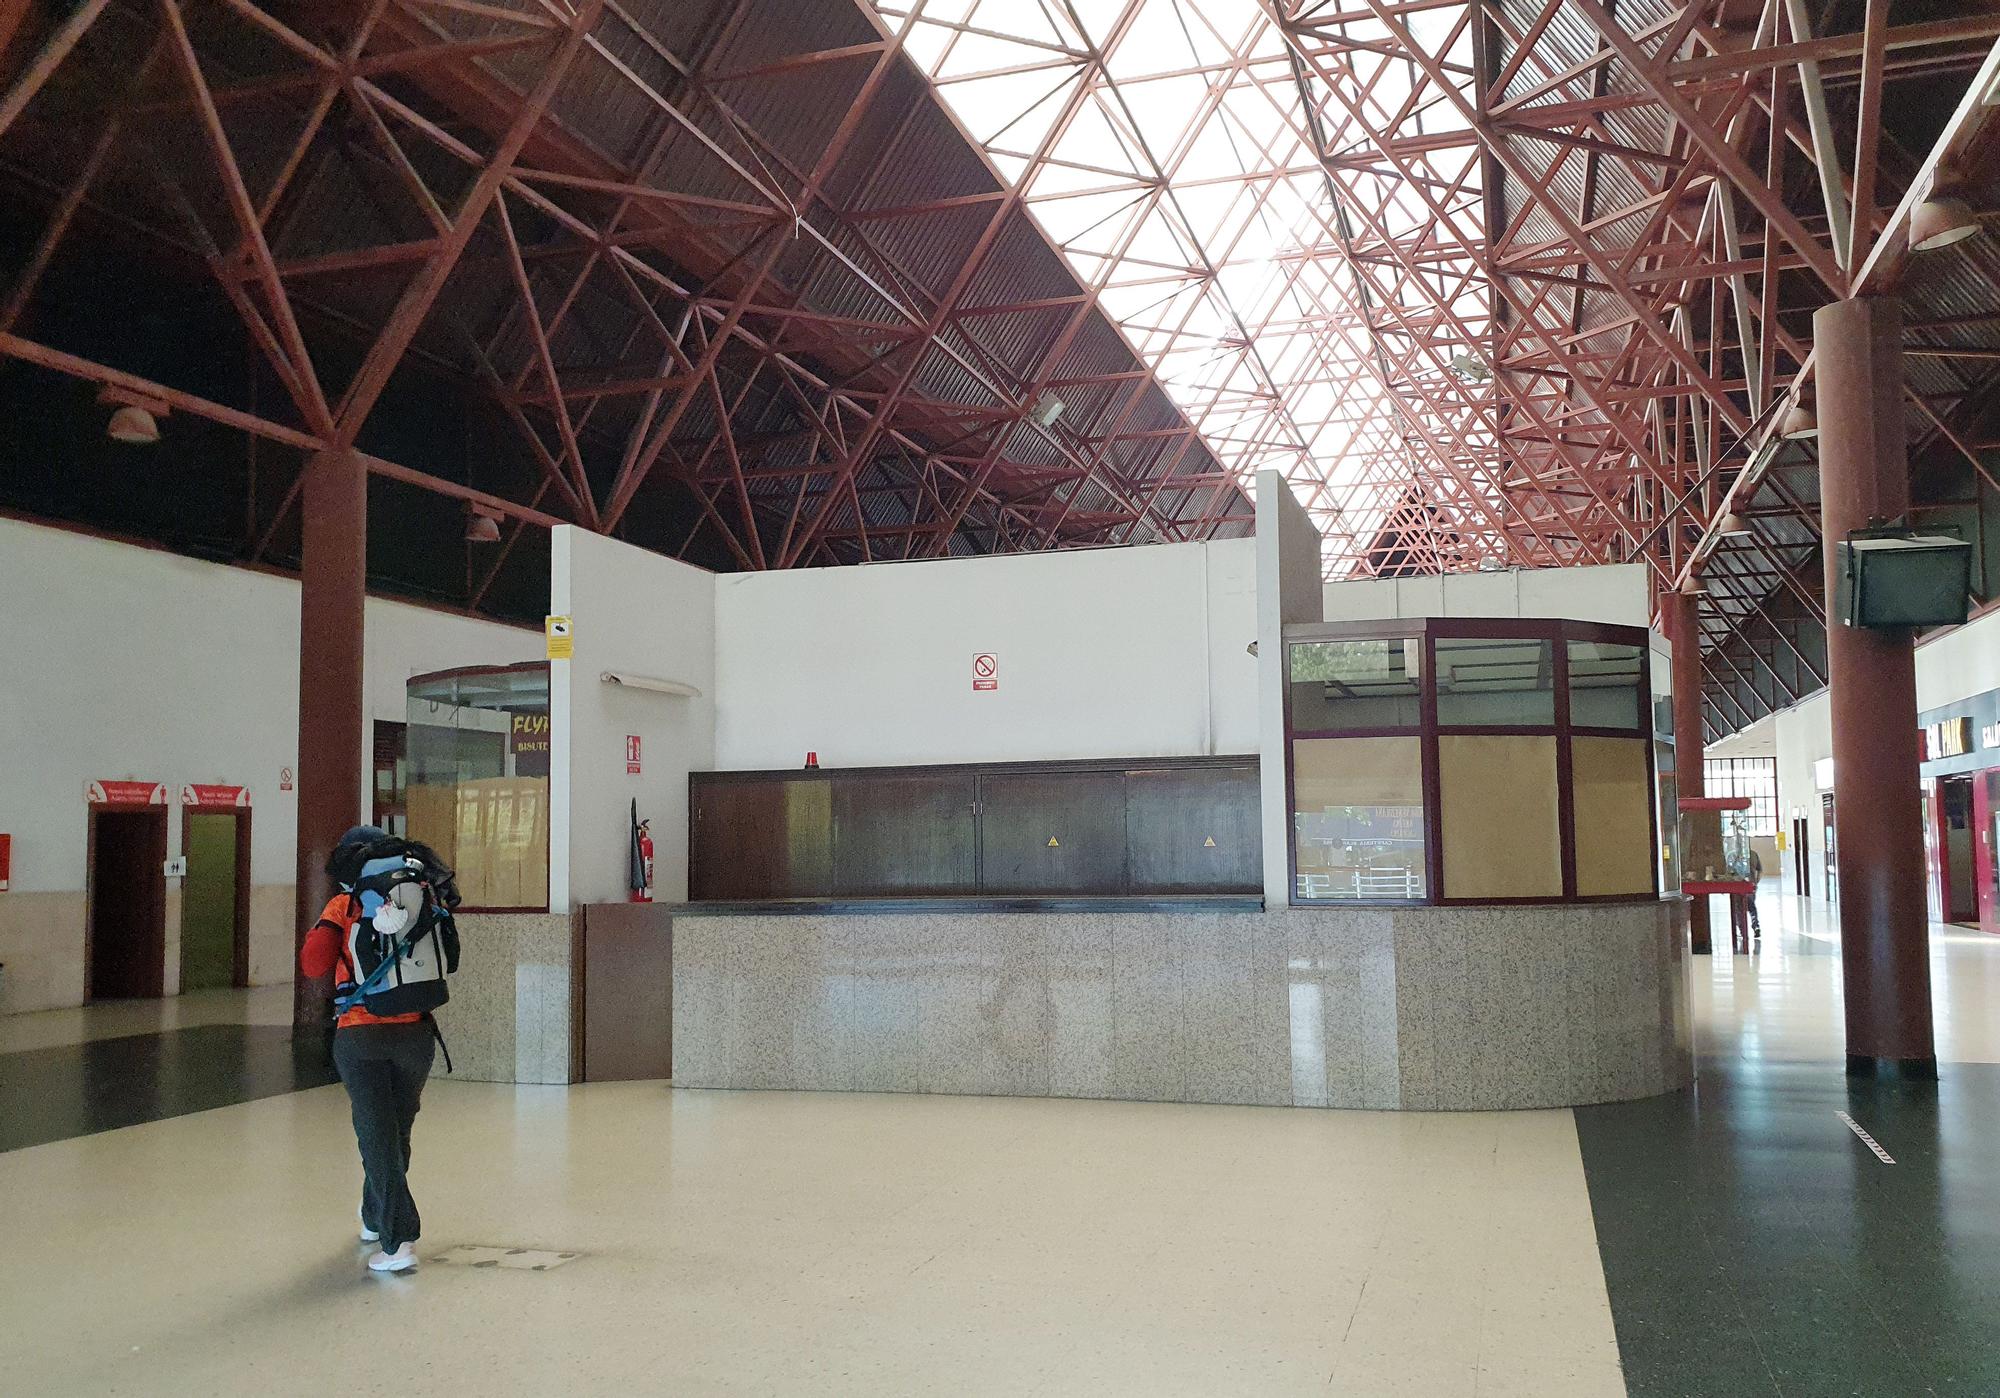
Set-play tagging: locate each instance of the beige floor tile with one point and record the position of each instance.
(769, 1243)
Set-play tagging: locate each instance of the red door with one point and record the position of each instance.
(1938, 882)
(1986, 847)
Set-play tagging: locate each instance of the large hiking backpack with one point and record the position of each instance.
(403, 942)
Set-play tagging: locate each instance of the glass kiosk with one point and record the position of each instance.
(1458, 761)
(478, 780)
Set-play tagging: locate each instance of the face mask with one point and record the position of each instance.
(393, 920)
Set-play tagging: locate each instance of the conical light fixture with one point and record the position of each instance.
(133, 426)
(135, 418)
(480, 527)
(1939, 222)
(1733, 526)
(1800, 423)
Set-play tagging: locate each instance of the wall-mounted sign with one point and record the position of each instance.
(110, 793)
(632, 754)
(1989, 736)
(528, 740)
(284, 779)
(561, 636)
(202, 795)
(985, 673)
(1951, 737)
(1823, 774)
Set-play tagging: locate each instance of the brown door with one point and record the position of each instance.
(627, 993)
(392, 810)
(1801, 858)
(128, 903)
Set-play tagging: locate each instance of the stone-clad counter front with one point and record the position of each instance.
(1437, 1008)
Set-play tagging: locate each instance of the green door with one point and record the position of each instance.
(208, 904)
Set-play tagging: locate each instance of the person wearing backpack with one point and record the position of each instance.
(389, 935)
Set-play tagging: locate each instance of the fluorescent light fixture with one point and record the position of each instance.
(649, 682)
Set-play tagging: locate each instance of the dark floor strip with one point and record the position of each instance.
(53, 1094)
(1753, 1244)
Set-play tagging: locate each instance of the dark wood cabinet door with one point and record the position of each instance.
(1194, 830)
(760, 838)
(1101, 829)
(1052, 833)
(904, 836)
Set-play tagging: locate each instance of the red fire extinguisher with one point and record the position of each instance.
(642, 858)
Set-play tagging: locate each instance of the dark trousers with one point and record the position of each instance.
(384, 1067)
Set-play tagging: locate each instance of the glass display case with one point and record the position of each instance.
(1460, 760)
(1715, 844)
(477, 780)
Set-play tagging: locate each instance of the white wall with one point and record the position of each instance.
(129, 662)
(1289, 592)
(1617, 594)
(1129, 652)
(1954, 666)
(642, 614)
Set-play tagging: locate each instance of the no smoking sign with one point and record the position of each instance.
(985, 673)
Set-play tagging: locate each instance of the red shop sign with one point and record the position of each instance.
(201, 795)
(103, 793)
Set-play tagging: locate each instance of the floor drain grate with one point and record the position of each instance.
(513, 1259)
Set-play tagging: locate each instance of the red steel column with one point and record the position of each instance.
(1678, 618)
(333, 589)
(1864, 476)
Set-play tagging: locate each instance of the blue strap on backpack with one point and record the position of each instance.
(373, 982)
(375, 978)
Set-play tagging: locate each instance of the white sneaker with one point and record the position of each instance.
(368, 1235)
(401, 1260)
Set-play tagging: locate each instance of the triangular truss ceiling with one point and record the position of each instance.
(1545, 267)
(1215, 193)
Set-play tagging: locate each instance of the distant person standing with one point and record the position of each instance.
(1750, 898)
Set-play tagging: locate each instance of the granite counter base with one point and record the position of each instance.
(1410, 1009)
(508, 1019)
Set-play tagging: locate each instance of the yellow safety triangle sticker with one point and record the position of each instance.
(1209, 843)
(1054, 843)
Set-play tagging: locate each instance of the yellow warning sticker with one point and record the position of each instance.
(1209, 843)
(1054, 843)
(561, 636)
